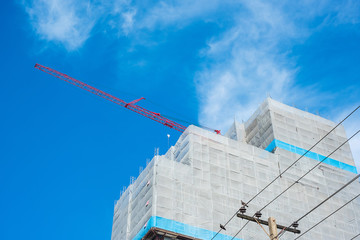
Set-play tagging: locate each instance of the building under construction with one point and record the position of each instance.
(201, 182)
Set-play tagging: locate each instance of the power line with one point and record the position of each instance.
(304, 154)
(305, 175)
(321, 203)
(297, 181)
(329, 216)
(288, 168)
(240, 230)
(355, 236)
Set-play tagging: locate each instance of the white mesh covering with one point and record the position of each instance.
(201, 180)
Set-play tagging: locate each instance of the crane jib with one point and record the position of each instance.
(131, 105)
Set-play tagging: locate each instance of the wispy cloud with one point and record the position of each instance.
(121, 16)
(70, 22)
(252, 59)
(249, 64)
(178, 13)
(66, 22)
(348, 12)
(248, 59)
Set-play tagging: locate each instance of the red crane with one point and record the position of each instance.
(129, 105)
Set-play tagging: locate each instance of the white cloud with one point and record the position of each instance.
(249, 65)
(62, 21)
(70, 22)
(178, 13)
(128, 22)
(239, 86)
(249, 62)
(122, 16)
(244, 63)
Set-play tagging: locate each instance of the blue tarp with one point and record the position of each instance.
(180, 228)
(312, 155)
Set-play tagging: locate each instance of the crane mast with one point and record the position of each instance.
(129, 105)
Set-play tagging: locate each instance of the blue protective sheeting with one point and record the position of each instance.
(150, 223)
(180, 228)
(312, 155)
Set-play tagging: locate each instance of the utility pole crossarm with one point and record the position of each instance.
(252, 219)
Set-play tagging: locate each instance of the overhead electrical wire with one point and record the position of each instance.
(297, 181)
(288, 168)
(240, 230)
(321, 203)
(305, 175)
(355, 236)
(328, 216)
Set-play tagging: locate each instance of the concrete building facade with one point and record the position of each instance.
(200, 182)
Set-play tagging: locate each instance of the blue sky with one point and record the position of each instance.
(66, 154)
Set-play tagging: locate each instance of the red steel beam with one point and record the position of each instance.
(131, 105)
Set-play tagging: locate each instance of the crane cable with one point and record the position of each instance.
(188, 122)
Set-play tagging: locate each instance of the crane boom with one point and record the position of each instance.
(130, 105)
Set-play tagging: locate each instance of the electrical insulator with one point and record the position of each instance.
(295, 224)
(243, 210)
